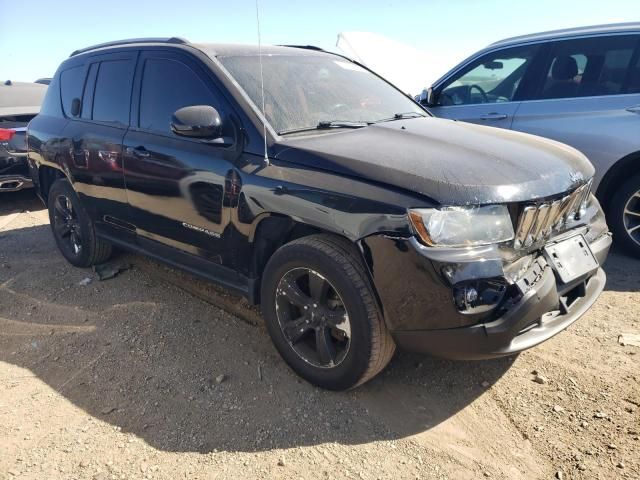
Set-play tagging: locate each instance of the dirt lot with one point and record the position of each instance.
(122, 379)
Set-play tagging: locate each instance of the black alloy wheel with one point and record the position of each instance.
(73, 229)
(66, 225)
(322, 313)
(313, 317)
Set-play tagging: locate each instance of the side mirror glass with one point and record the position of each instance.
(76, 106)
(197, 121)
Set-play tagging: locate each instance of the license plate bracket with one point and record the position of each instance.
(571, 258)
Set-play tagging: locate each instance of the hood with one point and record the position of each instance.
(453, 163)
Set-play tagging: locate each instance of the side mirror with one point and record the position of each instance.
(76, 106)
(197, 121)
(427, 97)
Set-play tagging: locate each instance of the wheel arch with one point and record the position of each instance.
(47, 175)
(275, 230)
(624, 168)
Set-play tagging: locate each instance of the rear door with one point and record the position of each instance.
(588, 96)
(175, 184)
(104, 85)
(487, 90)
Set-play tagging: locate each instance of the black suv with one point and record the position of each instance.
(307, 183)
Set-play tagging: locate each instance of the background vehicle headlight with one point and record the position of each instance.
(462, 226)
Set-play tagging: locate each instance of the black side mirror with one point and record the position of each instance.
(427, 97)
(197, 121)
(76, 106)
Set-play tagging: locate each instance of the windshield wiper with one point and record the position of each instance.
(402, 116)
(325, 125)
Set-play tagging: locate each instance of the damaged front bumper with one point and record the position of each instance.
(530, 318)
(481, 302)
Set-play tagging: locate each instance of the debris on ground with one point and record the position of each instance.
(107, 271)
(632, 339)
(85, 281)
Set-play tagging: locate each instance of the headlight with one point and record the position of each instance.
(462, 226)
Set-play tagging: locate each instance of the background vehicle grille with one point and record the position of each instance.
(539, 221)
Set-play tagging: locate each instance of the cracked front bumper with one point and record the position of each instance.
(426, 319)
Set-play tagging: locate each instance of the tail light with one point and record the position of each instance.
(6, 134)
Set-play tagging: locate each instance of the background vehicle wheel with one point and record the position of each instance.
(322, 315)
(624, 216)
(72, 228)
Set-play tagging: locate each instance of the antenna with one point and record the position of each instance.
(264, 124)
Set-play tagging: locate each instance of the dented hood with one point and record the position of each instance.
(453, 163)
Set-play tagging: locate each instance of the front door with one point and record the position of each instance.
(176, 185)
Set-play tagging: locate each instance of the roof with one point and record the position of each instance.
(21, 98)
(631, 27)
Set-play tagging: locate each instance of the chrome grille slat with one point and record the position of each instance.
(538, 221)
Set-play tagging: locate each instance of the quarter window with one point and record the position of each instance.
(494, 78)
(168, 85)
(113, 91)
(71, 84)
(589, 67)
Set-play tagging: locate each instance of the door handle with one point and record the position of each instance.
(634, 109)
(493, 116)
(139, 152)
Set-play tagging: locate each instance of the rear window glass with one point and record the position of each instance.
(589, 67)
(71, 84)
(113, 91)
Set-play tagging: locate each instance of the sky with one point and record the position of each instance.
(36, 36)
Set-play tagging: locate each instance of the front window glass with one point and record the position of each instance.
(168, 85)
(302, 91)
(492, 79)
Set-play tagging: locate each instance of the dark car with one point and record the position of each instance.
(19, 103)
(355, 219)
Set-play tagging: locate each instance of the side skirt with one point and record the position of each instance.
(197, 266)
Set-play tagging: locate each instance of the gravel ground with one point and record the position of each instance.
(154, 374)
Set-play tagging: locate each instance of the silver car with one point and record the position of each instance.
(579, 86)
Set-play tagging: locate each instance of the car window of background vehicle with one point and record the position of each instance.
(589, 67)
(491, 79)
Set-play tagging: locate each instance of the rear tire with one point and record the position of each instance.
(322, 315)
(73, 229)
(623, 215)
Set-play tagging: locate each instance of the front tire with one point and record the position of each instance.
(624, 215)
(73, 229)
(322, 315)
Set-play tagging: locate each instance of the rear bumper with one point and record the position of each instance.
(542, 312)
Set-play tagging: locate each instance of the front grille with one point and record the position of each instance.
(539, 221)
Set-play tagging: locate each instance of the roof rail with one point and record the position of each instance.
(175, 40)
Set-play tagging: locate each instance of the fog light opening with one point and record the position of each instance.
(478, 296)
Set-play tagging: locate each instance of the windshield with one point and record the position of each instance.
(305, 91)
